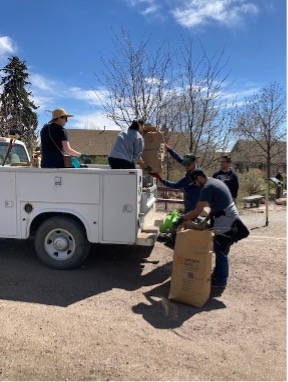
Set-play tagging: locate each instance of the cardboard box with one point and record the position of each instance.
(153, 153)
(192, 265)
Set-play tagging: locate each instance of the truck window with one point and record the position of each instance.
(17, 151)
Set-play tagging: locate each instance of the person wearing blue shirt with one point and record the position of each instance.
(128, 147)
(190, 190)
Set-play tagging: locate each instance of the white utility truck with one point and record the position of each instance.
(66, 209)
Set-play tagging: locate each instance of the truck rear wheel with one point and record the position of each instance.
(61, 243)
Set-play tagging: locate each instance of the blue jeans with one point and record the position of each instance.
(221, 270)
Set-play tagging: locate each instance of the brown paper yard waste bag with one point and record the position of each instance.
(192, 263)
(153, 153)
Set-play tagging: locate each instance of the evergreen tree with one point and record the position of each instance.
(16, 108)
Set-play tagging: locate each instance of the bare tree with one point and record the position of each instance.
(134, 83)
(262, 120)
(203, 112)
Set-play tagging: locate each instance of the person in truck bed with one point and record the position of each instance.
(128, 147)
(54, 141)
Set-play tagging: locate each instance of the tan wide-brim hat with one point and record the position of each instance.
(57, 113)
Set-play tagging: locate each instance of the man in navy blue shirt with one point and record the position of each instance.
(190, 190)
(226, 175)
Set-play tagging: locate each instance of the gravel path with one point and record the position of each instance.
(111, 319)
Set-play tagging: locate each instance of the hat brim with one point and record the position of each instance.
(63, 115)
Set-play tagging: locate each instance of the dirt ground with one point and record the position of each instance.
(111, 319)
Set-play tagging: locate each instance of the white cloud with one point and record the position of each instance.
(44, 89)
(147, 7)
(91, 96)
(150, 10)
(49, 94)
(6, 45)
(43, 83)
(193, 13)
(93, 121)
(152, 81)
(227, 12)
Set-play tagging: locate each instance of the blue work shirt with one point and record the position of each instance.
(191, 191)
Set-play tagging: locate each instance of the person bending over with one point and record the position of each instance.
(217, 196)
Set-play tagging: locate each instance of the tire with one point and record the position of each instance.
(61, 243)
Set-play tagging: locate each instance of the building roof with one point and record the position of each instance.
(99, 142)
(92, 142)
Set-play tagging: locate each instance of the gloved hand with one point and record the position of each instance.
(155, 175)
(147, 168)
(177, 222)
(85, 158)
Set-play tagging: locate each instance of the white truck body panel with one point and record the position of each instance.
(8, 205)
(111, 204)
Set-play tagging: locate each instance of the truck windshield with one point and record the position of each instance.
(17, 153)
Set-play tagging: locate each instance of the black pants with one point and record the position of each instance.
(117, 163)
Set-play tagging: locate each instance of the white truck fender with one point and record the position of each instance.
(30, 218)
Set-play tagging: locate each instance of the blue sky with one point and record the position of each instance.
(61, 42)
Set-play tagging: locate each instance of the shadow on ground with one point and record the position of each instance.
(24, 278)
(162, 313)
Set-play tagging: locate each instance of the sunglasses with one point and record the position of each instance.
(64, 117)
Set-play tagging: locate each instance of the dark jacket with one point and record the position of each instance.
(230, 179)
(191, 192)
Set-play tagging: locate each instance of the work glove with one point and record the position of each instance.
(177, 222)
(85, 159)
(147, 168)
(155, 175)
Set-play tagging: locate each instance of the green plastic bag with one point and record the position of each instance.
(168, 221)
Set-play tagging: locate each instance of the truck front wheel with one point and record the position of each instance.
(61, 243)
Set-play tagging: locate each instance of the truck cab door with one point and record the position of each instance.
(8, 210)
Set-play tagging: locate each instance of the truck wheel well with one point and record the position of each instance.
(42, 217)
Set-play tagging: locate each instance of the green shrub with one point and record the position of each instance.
(251, 182)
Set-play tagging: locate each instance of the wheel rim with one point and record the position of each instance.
(60, 244)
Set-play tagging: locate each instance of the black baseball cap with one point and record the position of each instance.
(197, 172)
